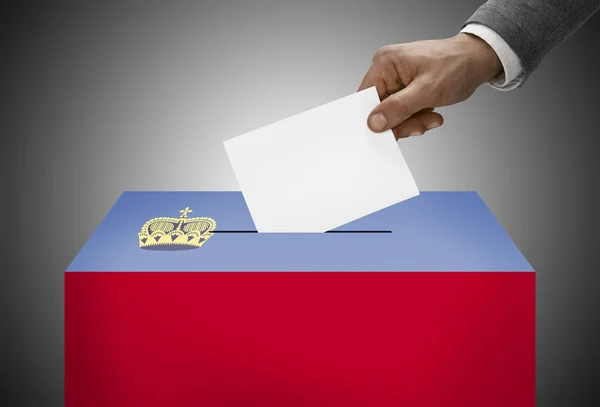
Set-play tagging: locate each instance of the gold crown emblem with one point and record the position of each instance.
(176, 233)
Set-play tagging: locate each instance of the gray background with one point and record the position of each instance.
(98, 98)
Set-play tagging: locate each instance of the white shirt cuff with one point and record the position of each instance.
(513, 73)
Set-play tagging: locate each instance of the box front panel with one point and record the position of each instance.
(299, 339)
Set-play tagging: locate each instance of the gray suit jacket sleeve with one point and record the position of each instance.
(532, 28)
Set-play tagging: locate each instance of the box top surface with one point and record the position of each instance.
(435, 231)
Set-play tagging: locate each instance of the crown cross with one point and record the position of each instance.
(176, 233)
(185, 212)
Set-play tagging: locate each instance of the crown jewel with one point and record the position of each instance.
(176, 233)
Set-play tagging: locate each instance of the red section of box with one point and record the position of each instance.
(300, 339)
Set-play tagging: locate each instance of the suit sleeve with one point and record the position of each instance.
(533, 28)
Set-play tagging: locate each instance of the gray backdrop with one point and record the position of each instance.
(95, 95)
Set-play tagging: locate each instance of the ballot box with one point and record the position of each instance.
(176, 300)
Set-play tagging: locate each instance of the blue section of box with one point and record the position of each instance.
(435, 231)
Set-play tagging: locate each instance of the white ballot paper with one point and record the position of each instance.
(320, 169)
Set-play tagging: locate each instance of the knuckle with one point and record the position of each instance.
(382, 78)
(398, 108)
(383, 54)
(383, 50)
(380, 59)
(377, 55)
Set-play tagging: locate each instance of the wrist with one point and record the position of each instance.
(483, 59)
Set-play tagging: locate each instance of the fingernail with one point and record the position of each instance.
(377, 122)
(415, 133)
(433, 125)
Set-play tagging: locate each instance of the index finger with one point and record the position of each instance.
(372, 79)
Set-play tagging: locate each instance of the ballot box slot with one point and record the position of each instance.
(330, 231)
(359, 231)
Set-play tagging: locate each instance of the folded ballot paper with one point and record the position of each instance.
(320, 169)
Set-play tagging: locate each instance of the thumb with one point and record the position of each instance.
(398, 107)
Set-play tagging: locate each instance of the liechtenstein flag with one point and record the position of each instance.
(175, 300)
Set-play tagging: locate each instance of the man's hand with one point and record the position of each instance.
(414, 78)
